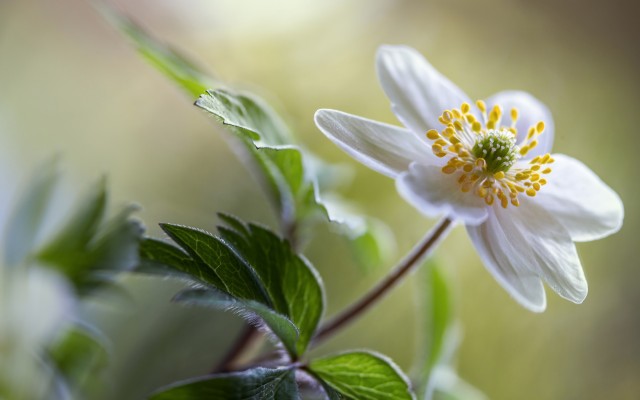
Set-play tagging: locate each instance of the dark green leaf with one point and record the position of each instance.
(26, 220)
(362, 376)
(164, 259)
(257, 383)
(293, 285)
(218, 264)
(279, 324)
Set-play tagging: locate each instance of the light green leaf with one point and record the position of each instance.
(293, 285)
(279, 324)
(80, 356)
(170, 62)
(363, 376)
(436, 316)
(26, 220)
(257, 383)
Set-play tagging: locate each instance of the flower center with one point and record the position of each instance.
(484, 154)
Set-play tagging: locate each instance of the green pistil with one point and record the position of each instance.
(497, 148)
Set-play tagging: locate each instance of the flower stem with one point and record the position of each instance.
(244, 339)
(419, 252)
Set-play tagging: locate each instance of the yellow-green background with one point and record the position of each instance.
(71, 84)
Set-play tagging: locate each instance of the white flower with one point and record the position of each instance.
(523, 208)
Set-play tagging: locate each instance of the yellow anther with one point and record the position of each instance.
(474, 177)
(534, 177)
(465, 108)
(535, 167)
(447, 116)
(545, 158)
(524, 150)
(466, 186)
(463, 153)
(515, 201)
(504, 202)
(546, 171)
(499, 175)
(533, 144)
(514, 115)
(454, 140)
(449, 169)
(470, 118)
(494, 115)
(542, 181)
(467, 168)
(540, 127)
(463, 178)
(481, 106)
(532, 131)
(456, 113)
(536, 185)
(482, 192)
(489, 199)
(441, 142)
(550, 160)
(457, 125)
(476, 126)
(535, 160)
(433, 134)
(448, 132)
(491, 124)
(531, 192)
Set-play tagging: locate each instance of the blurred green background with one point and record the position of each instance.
(71, 84)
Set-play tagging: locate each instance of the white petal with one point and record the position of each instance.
(434, 193)
(528, 241)
(580, 200)
(506, 258)
(530, 112)
(384, 148)
(418, 92)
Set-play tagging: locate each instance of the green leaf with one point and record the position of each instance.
(218, 264)
(26, 220)
(164, 259)
(293, 285)
(279, 324)
(436, 316)
(257, 383)
(80, 356)
(170, 62)
(88, 249)
(289, 173)
(363, 376)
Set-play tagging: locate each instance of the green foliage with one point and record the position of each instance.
(257, 383)
(26, 220)
(89, 248)
(255, 270)
(362, 376)
(292, 175)
(80, 357)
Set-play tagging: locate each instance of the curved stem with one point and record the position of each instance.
(247, 335)
(418, 254)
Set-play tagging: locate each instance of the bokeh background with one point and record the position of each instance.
(71, 84)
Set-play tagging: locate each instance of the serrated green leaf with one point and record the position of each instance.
(218, 264)
(279, 324)
(363, 376)
(26, 220)
(257, 383)
(293, 285)
(88, 250)
(164, 259)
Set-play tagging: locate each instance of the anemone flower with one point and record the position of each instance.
(488, 166)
